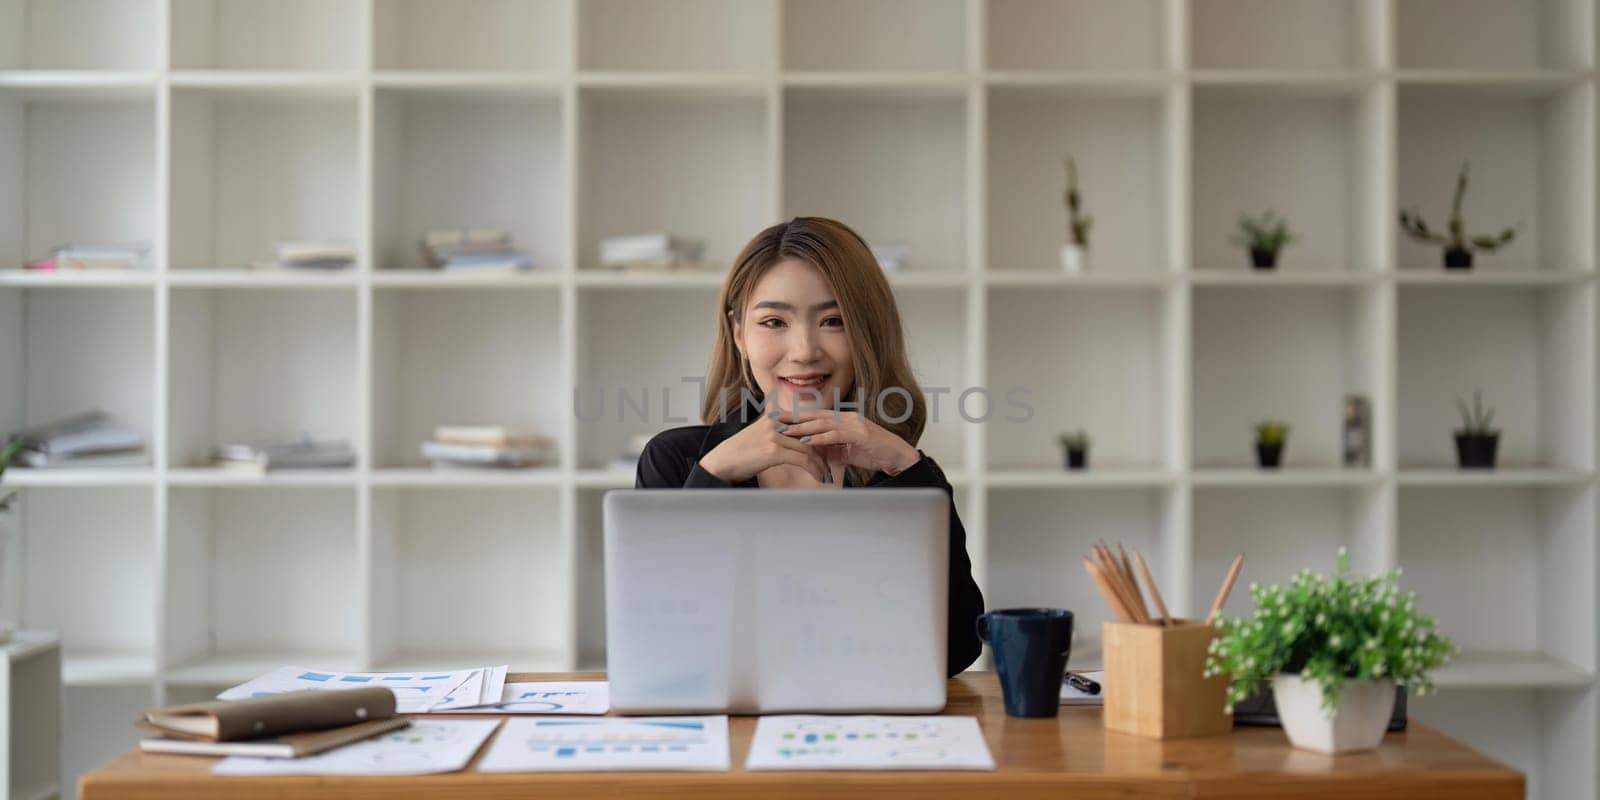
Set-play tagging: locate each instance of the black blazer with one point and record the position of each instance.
(672, 461)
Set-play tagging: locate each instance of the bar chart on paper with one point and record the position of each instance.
(558, 744)
(868, 742)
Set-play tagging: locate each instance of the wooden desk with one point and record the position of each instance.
(1069, 756)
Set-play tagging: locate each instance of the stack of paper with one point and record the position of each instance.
(91, 439)
(415, 692)
(315, 254)
(474, 250)
(129, 255)
(305, 453)
(425, 747)
(488, 446)
(652, 251)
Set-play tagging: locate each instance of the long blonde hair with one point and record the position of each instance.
(871, 320)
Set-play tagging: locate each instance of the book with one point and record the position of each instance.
(313, 254)
(505, 261)
(305, 453)
(129, 255)
(95, 439)
(659, 248)
(272, 714)
(465, 237)
(292, 745)
(76, 422)
(485, 455)
(489, 436)
(121, 458)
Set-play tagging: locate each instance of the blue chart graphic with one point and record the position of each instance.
(571, 738)
(315, 676)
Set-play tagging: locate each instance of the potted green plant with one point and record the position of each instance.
(8, 451)
(1077, 446)
(1075, 253)
(1264, 235)
(1333, 649)
(1476, 440)
(1458, 246)
(1271, 436)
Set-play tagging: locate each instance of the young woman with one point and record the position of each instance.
(809, 387)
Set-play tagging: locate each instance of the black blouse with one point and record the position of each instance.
(672, 461)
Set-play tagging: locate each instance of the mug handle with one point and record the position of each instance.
(983, 628)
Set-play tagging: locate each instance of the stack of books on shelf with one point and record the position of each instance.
(323, 255)
(304, 453)
(487, 446)
(479, 251)
(69, 257)
(91, 439)
(652, 252)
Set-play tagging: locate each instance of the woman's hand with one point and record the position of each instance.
(859, 441)
(760, 445)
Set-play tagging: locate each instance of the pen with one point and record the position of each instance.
(1081, 683)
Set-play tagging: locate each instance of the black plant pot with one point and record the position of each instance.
(1077, 459)
(1269, 456)
(1262, 258)
(1476, 450)
(1457, 258)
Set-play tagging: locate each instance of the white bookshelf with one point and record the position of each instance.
(212, 127)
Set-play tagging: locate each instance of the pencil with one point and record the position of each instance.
(1105, 588)
(1227, 586)
(1154, 592)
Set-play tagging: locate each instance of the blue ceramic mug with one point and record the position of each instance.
(1030, 654)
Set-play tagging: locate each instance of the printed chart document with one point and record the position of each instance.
(576, 744)
(426, 747)
(868, 742)
(549, 697)
(414, 692)
(483, 686)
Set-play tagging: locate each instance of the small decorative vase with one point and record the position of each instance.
(1262, 258)
(1357, 724)
(1074, 257)
(1269, 456)
(1077, 458)
(1476, 450)
(1457, 258)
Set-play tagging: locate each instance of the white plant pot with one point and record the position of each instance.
(1074, 257)
(1358, 723)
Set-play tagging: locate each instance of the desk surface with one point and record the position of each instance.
(1070, 756)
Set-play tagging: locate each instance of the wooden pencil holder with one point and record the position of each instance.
(1154, 681)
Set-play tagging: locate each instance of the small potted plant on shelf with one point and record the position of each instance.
(1476, 441)
(1458, 246)
(1264, 235)
(1271, 436)
(8, 451)
(1077, 446)
(1333, 649)
(1075, 253)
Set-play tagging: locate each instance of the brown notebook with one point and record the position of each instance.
(292, 745)
(271, 715)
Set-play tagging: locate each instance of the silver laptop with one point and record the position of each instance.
(756, 602)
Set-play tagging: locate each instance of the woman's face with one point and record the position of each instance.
(793, 335)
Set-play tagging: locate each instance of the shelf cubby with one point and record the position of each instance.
(68, 136)
(645, 153)
(462, 357)
(259, 366)
(260, 577)
(1529, 350)
(268, 34)
(1307, 35)
(1528, 152)
(675, 35)
(630, 384)
(1311, 154)
(1531, 545)
(1281, 530)
(1493, 35)
(891, 161)
(1119, 142)
(1051, 347)
(1071, 35)
(1038, 538)
(867, 35)
(85, 568)
(446, 158)
(427, 543)
(80, 35)
(74, 350)
(254, 166)
(472, 35)
(1289, 354)
(1524, 730)
(935, 323)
